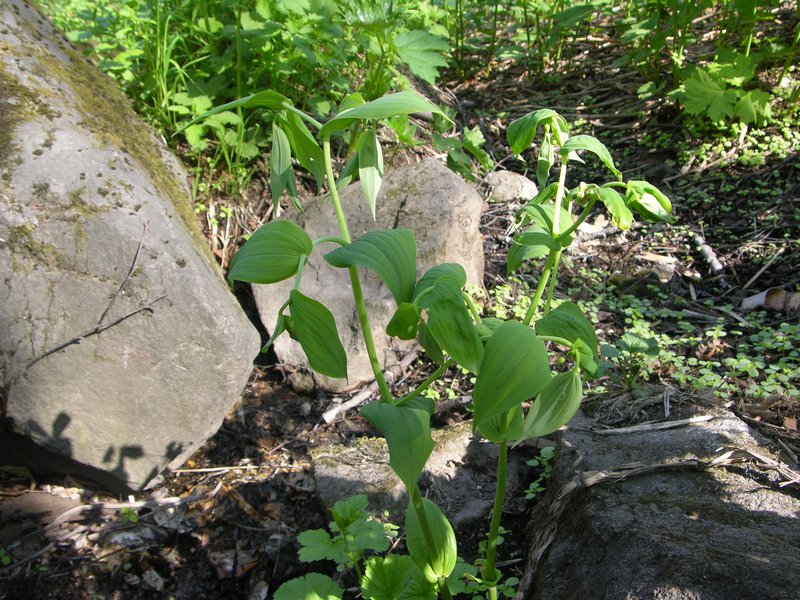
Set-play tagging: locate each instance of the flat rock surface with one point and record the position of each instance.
(678, 533)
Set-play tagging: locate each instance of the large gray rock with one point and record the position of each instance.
(81, 177)
(670, 533)
(440, 208)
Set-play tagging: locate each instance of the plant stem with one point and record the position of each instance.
(355, 282)
(537, 297)
(427, 383)
(488, 572)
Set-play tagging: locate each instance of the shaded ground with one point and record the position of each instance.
(225, 525)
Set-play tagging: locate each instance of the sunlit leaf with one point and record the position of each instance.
(271, 254)
(370, 167)
(306, 149)
(390, 253)
(391, 105)
(281, 172)
(314, 586)
(515, 368)
(568, 321)
(649, 202)
(385, 578)
(593, 145)
(422, 52)
(521, 132)
(449, 321)
(621, 215)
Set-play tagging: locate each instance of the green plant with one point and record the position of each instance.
(544, 463)
(509, 359)
(632, 355)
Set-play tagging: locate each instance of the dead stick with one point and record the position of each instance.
(654, 426)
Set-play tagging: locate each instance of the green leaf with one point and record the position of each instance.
(635, 344)
(705, 95)
(504, 427)
(370, 167)
(647, 200)
(305, 147)
(593, 145)
(568, 321)
(487, 327)
(367, 535)
(317, 544)
(621, 215)
(404, 322)
(422, 52)
(453, 272)
(408, 435)
(733, 67)
(281, 173)
(542, 215)
(314, 327)
(265, 99)
(390, 253)
(350, 510)
(440, 560)
(280, 327)
(271, 254)
(585, 358)
(556, 405)
(545, 161)
(450, 322)
(753, 107)
(473, 140)
(385, 578)
(391, 105)
(313, 586)
(429, 343)
(515, 368)
(521, 132)
(537, 243)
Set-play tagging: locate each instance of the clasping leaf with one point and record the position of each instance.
(271, 254)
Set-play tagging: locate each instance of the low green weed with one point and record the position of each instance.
(508, 358)
(544, 462)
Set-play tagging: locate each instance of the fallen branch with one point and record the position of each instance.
(707, 252)
(654, 426)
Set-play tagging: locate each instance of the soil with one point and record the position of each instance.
(225, 525)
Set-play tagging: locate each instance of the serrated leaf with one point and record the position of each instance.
(635, 344)
(195, 137)
(370, 167)
(385, 578)
(473, 141)
(515, 368)
(368, 535)
(423, 53)
(753, 107)
(271, 254)
(314, 327)
(390, 253)
(317, 544)
(521, 132)
(593, 145)
(705, 95)
(568, 321)
(408, 435)
(391, 105)
(733, 67)
(350, 510)
(281, 173)
(314, 586)
(440, 560)
(556, 405)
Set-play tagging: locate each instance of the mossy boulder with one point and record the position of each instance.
(116, 382)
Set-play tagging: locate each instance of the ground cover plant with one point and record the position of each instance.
(508, 358)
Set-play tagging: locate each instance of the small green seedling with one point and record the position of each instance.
(544, 463)
(633, 355)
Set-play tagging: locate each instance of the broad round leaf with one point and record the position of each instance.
(390, 253)
(568, 321)
(271, 254)
(515, 368)
(450, 322)
(440, 560)
(314, 327)
(314, 586)
(555, 406)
